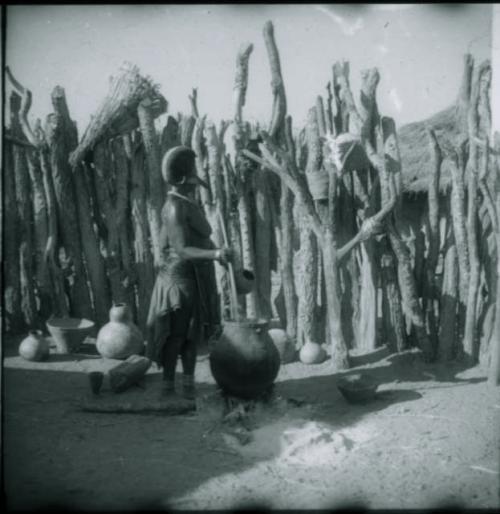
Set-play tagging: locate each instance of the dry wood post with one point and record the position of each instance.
(321, 116)
(263, 184)
(122, 211)
(457, 168)
(263, 234)
(485, 311)
(230, 206)
(286, 246)
(24, 208)
(60, 305)
(11, 272)
(494, 371)
(199, 147)
(464, 94)
(455, 154)
(489, 222)
(308, 253)
(233, 223)
(449, 293)
(277, 85)
(41, 234)
(93, 257)
(155, 188)
(470, 335)
(142, 254)
(170, 135)
(216, 206)
(281, 131)
(392, 311)
(62, 139)
(243, 170)
(429, 296)
(346, 220)
(186, 127)
(340, 110)
(329, 108)
(112, 197)
(193, 100)
(320, 177)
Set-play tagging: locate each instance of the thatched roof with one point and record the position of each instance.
(117, 113)
(415, 149)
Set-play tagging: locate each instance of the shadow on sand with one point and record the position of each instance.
(59, 458)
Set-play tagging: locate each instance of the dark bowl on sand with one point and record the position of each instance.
(357, 388)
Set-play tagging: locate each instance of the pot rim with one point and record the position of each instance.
(69, 324)
(247, 323)
(35, 332)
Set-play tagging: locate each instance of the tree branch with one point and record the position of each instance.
(299, 189)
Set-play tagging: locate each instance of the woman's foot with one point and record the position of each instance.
(168, 389)
(188, 388)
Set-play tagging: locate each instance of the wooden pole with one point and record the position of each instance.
(470, 342)
(155, 196)
(59, 299)
(242, 172)
(11, 272)
(494, 371)
(24, 208)
(308, 243)
(429, 294)
(286, 257)
(62, 139)
(449, 294)
(104, 177)
(41, 234)
(122, 183)
(142, 250)
(90, 245)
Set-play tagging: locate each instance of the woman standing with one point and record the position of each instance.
(183, 312)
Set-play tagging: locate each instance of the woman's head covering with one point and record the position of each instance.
(178, 168)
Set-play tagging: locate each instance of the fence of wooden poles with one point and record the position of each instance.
(358, 234)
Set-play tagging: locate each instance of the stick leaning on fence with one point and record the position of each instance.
(233, 298)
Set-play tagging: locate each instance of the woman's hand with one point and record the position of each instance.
(224, 255)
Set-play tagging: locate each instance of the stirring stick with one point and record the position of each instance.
(233, 300)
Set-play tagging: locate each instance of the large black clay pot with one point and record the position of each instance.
(245, 361)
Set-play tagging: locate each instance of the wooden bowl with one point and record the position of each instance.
(69, 333)
(357, 388)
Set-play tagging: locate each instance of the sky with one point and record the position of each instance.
(417, 48)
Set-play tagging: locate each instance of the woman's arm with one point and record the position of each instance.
(174, 224)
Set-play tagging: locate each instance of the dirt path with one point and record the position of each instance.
(430, 439)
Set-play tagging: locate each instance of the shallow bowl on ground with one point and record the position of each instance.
(357, 388)
(69, 333)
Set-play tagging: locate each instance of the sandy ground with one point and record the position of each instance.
(429, 439)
